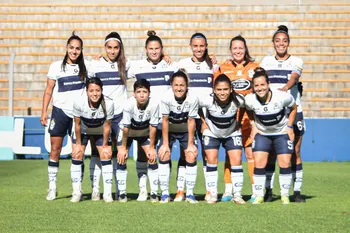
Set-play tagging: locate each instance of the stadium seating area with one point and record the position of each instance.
(37, 34)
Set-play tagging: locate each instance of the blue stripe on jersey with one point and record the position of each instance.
(178, 118)
(271, 119)
(201, 80)
(109, 78)
(139, 125)
(70, 83)
(156, 78)
(222, 122)
(93, 123)
(278, 76)
(278, 80)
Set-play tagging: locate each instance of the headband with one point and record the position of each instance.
(112, 38)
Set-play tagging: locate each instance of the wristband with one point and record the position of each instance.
(291, 127)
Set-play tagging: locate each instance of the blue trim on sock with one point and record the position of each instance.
(299, 167)
(285, 171)
(191, 164)
(139, 175)
(77, 162)
(181, 163)
(270, 168)
(153, 166)
(121, 166)
(164, 162)
(212, 167)
(259, 171)
(106, 162)
(204, 163)
(53, 164)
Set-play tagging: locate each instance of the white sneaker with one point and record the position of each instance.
(108, 198)
(95, 195)
(213, 198)
(238, 200)
(76, 197)
(51, 194)
(123, 198)
(143, 195)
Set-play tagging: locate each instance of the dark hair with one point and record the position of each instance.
(281, 29)
(206, 54)
(180, 73)
(121, 59)
(234, 96)
(258, 72)
(142, 83)
(247, 56)
(98, 82)
(153, 37)
(80, 59)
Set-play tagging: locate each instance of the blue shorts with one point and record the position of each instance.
(60, 123)
(230, 143)
(299, 124)
(279, 143)
(198, 129)
(141, 141)
(181, 137)
(115, 125)
(98, 139)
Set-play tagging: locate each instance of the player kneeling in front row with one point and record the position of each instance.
(272, 129)
(93, 118)
(220, 114)
(179, 109)
(140, 121)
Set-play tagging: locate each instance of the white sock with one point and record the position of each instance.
(141, 169)
(164, 176)
(228, 188)
(297, 177)
(205, 177)
(237, 180)
(95, 172)
(212, 178)
(122, 174)
(115, 165)
(285, 179)
(181, 175)
(259, 181)
(107, 175)
(153, 178)
(191, 176)
(52, 171)
(270, 176)
(75, 173)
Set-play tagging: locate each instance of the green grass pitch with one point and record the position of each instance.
(23, 207)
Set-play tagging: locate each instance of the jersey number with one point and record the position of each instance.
(237, 141)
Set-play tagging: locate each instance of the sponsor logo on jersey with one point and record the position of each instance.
(241, 84)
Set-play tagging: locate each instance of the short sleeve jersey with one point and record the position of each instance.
(68, 86)
(279, 72)
(92, 119)
(270, 118)
(179, 112)
(221, 120)
(139, 120)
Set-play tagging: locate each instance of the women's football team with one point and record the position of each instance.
(236, 105)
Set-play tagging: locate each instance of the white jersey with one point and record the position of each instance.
(158, 75)
(201, 76)
(221, 121)
(92, 119)
(113, 87)
(139, 120)
(179, 113)
(68, 86)
(270, 118)
(279, 72)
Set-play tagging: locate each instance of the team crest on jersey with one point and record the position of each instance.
(75, 70)
(148, 113)
(198, 67)
(52, 124)
(154, 67)
(239, 73)
(206, 140)
(93, 113)
(266, 109)
(276, 106)
(251, 73)
(113, 66)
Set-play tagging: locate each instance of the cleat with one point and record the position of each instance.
(143, 195)
(226, 197)
(95, 195)
(154, 198)
(213, 198)
(238, 200)
(191, 199)
(298, 198)
(258, 200)
(285, 200)
(108, 198)
(76, 197)
(207, 195)
(51, 194)
(165, 198)
(252, 198)
(268, 195)
(180, 196)
(122, 198)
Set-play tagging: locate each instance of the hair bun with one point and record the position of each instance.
(151, 33)
(283, 28)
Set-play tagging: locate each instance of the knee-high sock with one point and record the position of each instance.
(107, 176)
(153, 177)
(212, 178)
(164, 176)
(270, 176)
(259, 181)
(141, 169)
(237, 180)
(75, 172)
(52, 170)
(95, 172)
(181, 175)
(121, 175)
(285, 179)
(297, 177)
(191, 176)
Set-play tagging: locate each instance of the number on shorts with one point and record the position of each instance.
(300, 125)
(237, 141)
(290, 145)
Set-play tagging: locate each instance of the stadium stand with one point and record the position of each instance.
(320, 34)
